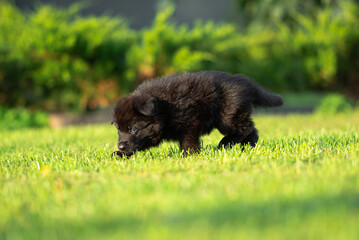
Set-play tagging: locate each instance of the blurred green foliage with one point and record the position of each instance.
(334, 104)
(55, 59)
(20, 118)
(264, 13)
(167, 47)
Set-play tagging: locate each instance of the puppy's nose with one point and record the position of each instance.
(121, 146)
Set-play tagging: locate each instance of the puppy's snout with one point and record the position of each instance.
(122, 146)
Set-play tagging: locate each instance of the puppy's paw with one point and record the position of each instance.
(117, 154)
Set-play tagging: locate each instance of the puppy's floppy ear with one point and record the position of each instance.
(146, 105)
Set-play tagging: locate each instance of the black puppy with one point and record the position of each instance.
(183, 107)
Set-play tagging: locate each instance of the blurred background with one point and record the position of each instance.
(67, 56)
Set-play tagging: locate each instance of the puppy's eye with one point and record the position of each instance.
(132, 130)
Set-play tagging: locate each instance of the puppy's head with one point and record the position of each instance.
(138, 123)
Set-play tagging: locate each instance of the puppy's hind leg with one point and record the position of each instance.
(238, 128)
(251, 139)
(230, 140)
(245, 134)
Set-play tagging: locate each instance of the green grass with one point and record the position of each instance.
(300, 182)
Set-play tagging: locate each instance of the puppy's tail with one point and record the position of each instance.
(260, 97)
(266, 99)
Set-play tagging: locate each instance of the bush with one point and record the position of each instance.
(55, 60)
(322, 43)
(167, 48)
(20, 118)
(334, 104)
(315, 52)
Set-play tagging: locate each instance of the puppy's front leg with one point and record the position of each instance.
(117, 154)
(189, 144)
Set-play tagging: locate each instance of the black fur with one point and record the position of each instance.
(183, 107)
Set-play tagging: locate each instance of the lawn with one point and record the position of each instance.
(300, 182)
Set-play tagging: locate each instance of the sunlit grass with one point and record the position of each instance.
(300, 182)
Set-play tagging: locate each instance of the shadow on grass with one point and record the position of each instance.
(235, 215)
